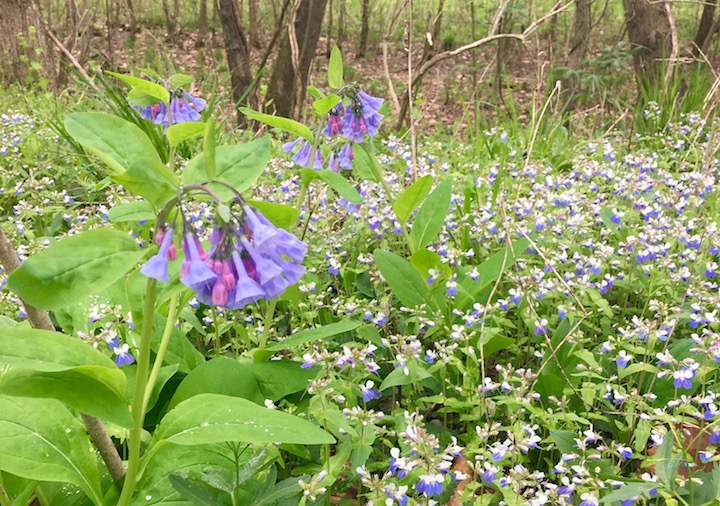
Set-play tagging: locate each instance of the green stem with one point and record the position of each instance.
(267, 323)
(141, 383)
(160, 355)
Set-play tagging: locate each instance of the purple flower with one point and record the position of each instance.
(683, 377)
(430, 484)
(183, 107)
(157, 266)
(624, 452)
(334, 123)
(302, 156)
(124, 357)
(362, 117)
(369, 393)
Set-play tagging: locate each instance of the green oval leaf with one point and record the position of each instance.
(237, 165)
(41, 440)
(411, 198)
(144, 87)
(113, 140)
(431, 216)
(335, 69)
(183, 131)
(75, 267)
(286, 124)
(212, 418)
(151, 179)
(403, 278)
(133, 211)
(341, 185)
(52, 365)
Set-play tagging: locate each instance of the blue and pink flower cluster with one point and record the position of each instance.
(352, 119)
(247, 261)
(183, 107)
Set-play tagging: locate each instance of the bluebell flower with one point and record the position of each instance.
(430, 484)
(715, 437)
(302, 156)
(362, 117)
(157, 266)
(183, 107)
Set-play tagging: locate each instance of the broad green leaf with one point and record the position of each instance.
(315, 93)
(280, 215)
(325, 105)
(253, 381)
(219, 376)
(624, 372)
(365, 164)
(286, 124)
(212, 418)
(424, 260)
(180, 80)
(155, 488)
(411, 198)
(403, 278)
(145, 87)
(53, 365)
(564, 440)
(41, 440)
(91, 390)
(341, 185)
(113, 140)
(197, 492)
(335, 69)
(133, 211)
(151, 179)
(237, 165)
(19, 490)
(397, 377)
(75, 267)
(431, 216)
(183, 131)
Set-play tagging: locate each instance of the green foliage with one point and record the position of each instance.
(214, 418)
(75, 267)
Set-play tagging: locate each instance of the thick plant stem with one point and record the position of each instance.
(138, 403)
(267, 323)
(41, 320)
(160, 355)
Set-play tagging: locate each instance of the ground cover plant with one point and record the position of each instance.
(324, 312)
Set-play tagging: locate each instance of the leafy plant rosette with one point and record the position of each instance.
(233, 258)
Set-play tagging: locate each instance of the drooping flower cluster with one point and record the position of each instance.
(356, 116)
(249, 259)
(183, 108)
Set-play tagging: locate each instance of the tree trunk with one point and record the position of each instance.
(364, 28)
(577, 51)
(651, 29)
(238, 54)
(704, 34)
(328, 46)
(202, 24)
(23, 43)
(287, 83)
(253, 31)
